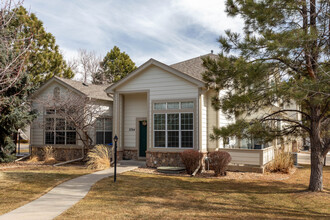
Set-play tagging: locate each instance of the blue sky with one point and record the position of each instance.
(167, 30)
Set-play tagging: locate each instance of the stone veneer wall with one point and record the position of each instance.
(67, 153)
(130, 155)
(60, 153)
(156, 159)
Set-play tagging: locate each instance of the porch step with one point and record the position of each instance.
(171, 169)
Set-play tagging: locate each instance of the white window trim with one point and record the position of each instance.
(166, 105)
(166, 130)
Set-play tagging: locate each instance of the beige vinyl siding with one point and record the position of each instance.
(135, 107)
(36, 130)
(247, 157)
(159, 85)
(106, 110)
(224, 121)
(212, 120)
(162, 85)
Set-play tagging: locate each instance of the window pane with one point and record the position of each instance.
(187, 121)
(60, 124)
(49, 139)
(173, 105)
(99, 124)
(160, 106)
(108, 124)
(108, 137)
(187, 139)
(60, 138)
(185, 105)
(159, 138)
(49, 124)
(173, 139)
(159, 122)
(50, 111)
(70, 126)
(71, 137)
(173, 121)
(100, 137)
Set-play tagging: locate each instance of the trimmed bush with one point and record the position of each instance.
(219, 161)
(282, 162)
(191, 160)
(99, 157)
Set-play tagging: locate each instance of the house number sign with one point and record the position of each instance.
(131, 129)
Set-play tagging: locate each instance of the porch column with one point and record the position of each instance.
(118, 119)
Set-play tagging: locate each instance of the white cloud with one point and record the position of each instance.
(169, 31)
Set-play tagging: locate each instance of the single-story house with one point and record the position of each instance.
(71, 115)
(157, 111)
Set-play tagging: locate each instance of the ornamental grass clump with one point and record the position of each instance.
(219, 160)
(282, 162)
(99, 157)
(191, 160)
(49, 155)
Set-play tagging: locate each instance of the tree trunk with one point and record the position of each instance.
(317, 159)
(316, 178)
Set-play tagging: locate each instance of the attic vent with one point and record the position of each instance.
(85, 84)
(56, 92)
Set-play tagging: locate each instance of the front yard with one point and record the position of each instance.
(139, 195)
(21, 183)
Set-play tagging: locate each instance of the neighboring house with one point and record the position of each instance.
(60, 104)
(159, 111)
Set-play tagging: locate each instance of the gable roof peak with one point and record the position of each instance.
(90, 90)
(194, 66)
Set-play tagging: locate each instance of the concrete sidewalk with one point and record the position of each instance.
(65, 195)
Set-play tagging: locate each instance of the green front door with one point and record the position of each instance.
(142, 139)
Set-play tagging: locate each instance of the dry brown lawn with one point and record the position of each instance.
(140, 195)
(21, 182)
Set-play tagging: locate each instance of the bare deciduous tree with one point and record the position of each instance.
(87, 64)
(13, 48)
(73, 112)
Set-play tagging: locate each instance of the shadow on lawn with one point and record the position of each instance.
(211, 198)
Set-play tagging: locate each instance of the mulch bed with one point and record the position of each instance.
(230, 175)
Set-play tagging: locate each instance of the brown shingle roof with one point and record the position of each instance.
(193, 67)
(90, 90)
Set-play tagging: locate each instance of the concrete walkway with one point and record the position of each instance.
(65, 195)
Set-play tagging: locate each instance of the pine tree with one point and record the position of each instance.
(44, 60)
(282, 57)
(115, 66)
(15, 114)
(28, 56)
